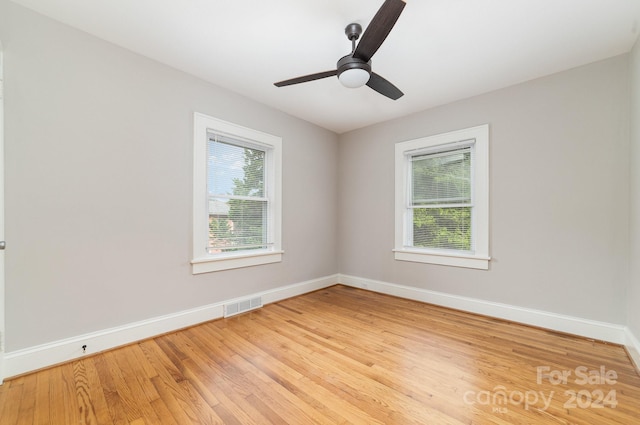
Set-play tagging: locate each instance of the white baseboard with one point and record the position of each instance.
(41, 356)
(633, 348)
(572, 325)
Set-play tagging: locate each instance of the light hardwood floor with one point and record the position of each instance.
(339, 355)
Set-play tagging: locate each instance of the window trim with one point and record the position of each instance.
(479, 258)
(203, 262)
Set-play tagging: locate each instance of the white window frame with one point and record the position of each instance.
(478, 257)
(204, 262)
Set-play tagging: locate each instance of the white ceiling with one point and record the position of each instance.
(439, 50)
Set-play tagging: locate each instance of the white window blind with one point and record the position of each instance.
(440, 201)
(236, 194)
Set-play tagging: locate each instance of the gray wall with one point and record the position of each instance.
(633, 300)
(559, 195)
(99, 184)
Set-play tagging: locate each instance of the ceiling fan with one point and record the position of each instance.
(354, 69)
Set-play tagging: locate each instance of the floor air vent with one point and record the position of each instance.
(242, 306)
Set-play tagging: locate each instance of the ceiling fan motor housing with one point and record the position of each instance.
(349, 62)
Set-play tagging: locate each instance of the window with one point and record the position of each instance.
(236, 199)
(442, 199)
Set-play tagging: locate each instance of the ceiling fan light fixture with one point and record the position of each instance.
(354, 77)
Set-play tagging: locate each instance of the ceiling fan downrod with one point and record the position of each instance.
(353, 32)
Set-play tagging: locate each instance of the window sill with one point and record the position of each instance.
(234, 261)
(446, 259)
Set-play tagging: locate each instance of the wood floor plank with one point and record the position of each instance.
(85, 401)
(115, 404)
(338, 356)
(14, 396)
(162, 412)
(168, 384)
(213, 384)
(267, 384)
(41, 413)
(135, 384)
(28, 402)
(64, 401)
(93, 393)
(132, 402)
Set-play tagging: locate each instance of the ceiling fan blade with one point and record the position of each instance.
(306, 78)
(384, 87)
(378, 29)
